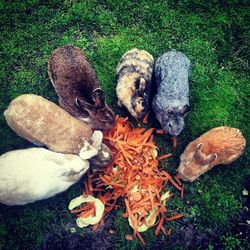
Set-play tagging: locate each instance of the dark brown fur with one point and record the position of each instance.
(78, 87)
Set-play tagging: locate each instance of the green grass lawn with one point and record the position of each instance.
(213, 34)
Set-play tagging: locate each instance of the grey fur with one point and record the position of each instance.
(171, 103)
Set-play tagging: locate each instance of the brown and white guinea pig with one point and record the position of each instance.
(220, 145)
(78, 87)
(134, 81)
(46, 124)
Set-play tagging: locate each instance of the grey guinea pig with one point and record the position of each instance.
(78, 87)
(134, 73)
(33, 174)
(171, 102)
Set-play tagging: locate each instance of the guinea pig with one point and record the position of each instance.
(78, 87)
(220, 145)
(134, 73)
(171, 102)
(46, 124)
(33, 174)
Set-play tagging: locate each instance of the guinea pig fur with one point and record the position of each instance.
(134, 73)
(171, 102)
(46, 124)
(78, 87)
(34, 174)
(220, 145)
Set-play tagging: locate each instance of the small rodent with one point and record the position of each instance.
(171, 102)
(133, 88)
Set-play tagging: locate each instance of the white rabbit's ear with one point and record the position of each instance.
(97, 139)
(87, 154)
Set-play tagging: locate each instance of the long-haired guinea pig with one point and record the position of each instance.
(78, 88)
(171, 102)
(134, 73)
(221, 145)
(33, 174)
(46, 124)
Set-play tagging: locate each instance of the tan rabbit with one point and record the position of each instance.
(44, 123)
(220, 145)
(78, 88)
(134, 81)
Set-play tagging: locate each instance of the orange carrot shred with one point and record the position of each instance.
(128, 237)
(174, 140)
(134, 176)
(145, 119)
(159, 131)
(175, 217)
(162, 157)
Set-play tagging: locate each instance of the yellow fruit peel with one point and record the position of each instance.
(84, 222)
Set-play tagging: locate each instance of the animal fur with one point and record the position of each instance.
(78, 87)
(220, 145)
(171, 103)
(46, 124)
(33, 174)
(134, 81)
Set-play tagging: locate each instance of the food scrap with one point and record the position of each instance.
(134, 176)
(89, 214)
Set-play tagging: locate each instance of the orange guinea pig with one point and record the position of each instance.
(220, 145)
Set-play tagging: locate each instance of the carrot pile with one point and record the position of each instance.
(134, 176)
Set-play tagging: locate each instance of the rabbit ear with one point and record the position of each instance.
(185, 109)
(97, 139)
(87, 154)
(98, 98)
(82, 103)
(210, 158)
(85, 106)
(198, 153)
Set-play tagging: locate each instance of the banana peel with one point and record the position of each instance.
(84, 222)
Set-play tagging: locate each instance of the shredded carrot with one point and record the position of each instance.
(145, 119)
(162, 157)
(128, 237)
(136, 196)
(174, 140)
(134, 176)
(159, 131)
(175, 217)
(182, 191)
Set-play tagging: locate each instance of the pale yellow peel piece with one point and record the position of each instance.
(84, 222)
(144, 227)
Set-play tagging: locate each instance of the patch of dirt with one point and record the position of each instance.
(61, 238)
(186, 236)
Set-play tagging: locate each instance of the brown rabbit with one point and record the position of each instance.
(78, 88)
(221, 145)
(46, 124)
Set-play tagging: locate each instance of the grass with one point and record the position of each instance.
(213, 34)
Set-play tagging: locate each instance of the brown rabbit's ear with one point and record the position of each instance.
(85, 106)
(98, 98)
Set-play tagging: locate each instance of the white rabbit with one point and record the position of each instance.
(34, 174)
